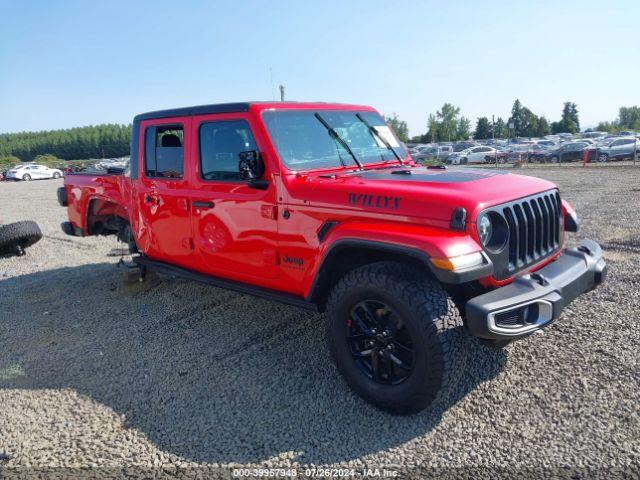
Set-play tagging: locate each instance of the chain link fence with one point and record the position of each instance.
(594, 156)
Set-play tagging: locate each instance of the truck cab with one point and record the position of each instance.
(319, 205)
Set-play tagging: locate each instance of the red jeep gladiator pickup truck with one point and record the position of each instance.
(319, 205)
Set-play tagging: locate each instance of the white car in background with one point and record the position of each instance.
(479, 154)
(30, 171)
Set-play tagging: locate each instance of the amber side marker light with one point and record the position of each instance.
(460, 262)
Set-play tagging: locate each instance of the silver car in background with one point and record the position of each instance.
(622, 148)
(435, 152)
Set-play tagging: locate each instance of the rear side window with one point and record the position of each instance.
(164, 151)
(220, 145)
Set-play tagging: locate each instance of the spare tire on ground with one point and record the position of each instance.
(15, 237)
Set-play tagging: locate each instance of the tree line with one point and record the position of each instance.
(628, 119)
(96, 141)
(448, 125)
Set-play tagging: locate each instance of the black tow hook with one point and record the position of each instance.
(585, 249)
(541, 279)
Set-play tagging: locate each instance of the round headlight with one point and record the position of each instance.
(485, 229)
(493, 231)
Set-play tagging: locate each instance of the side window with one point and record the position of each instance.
(164, 151)
(220, 145)
(615, 144)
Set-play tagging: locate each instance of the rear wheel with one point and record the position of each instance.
(554, 159)
(56, 175)
(396, 336)
(26, 177)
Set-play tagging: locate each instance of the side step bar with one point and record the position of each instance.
(240, 287)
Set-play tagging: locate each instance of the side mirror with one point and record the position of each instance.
(251, 168)
(250, 165)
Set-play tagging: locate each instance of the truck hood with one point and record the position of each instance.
(416, 192)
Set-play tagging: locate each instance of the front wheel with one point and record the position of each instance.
(603, 157)
(395, 336)
(554, 159)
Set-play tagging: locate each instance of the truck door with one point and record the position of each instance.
(161, 218)
(234, 224)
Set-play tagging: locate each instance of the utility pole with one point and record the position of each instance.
(493, 128)
(493, 135)
(282, 93)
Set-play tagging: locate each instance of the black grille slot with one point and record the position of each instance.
(534, 229)
(513, 318)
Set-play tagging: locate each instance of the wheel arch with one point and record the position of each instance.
(104, 216)
(347, 254)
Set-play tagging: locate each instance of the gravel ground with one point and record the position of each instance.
(184, 375)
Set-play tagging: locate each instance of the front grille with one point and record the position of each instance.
(534, 226)
(535, 229)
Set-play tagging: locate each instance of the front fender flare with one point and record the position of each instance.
(419, 247)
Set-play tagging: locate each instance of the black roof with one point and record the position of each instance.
(197, 110)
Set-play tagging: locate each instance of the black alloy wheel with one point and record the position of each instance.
(380, 343)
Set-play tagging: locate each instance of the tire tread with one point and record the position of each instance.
(23, 234)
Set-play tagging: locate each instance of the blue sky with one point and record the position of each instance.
(72, 63)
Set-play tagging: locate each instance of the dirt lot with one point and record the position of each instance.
(185, 375)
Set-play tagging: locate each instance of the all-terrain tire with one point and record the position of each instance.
(18, 236)
(437, 333)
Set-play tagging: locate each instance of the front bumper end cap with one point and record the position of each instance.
(534, 300)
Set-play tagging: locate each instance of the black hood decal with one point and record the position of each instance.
(432, 176)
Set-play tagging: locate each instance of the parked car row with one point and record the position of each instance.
(33, 171)
(550, 149)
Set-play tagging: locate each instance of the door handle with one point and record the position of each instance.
(203, 204)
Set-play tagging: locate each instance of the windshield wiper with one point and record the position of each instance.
(333, 134)
(375, 133)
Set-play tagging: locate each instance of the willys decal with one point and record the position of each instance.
(375, 201)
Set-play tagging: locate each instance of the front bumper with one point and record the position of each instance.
(534, 300)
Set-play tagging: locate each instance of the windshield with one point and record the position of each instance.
(304, 143)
